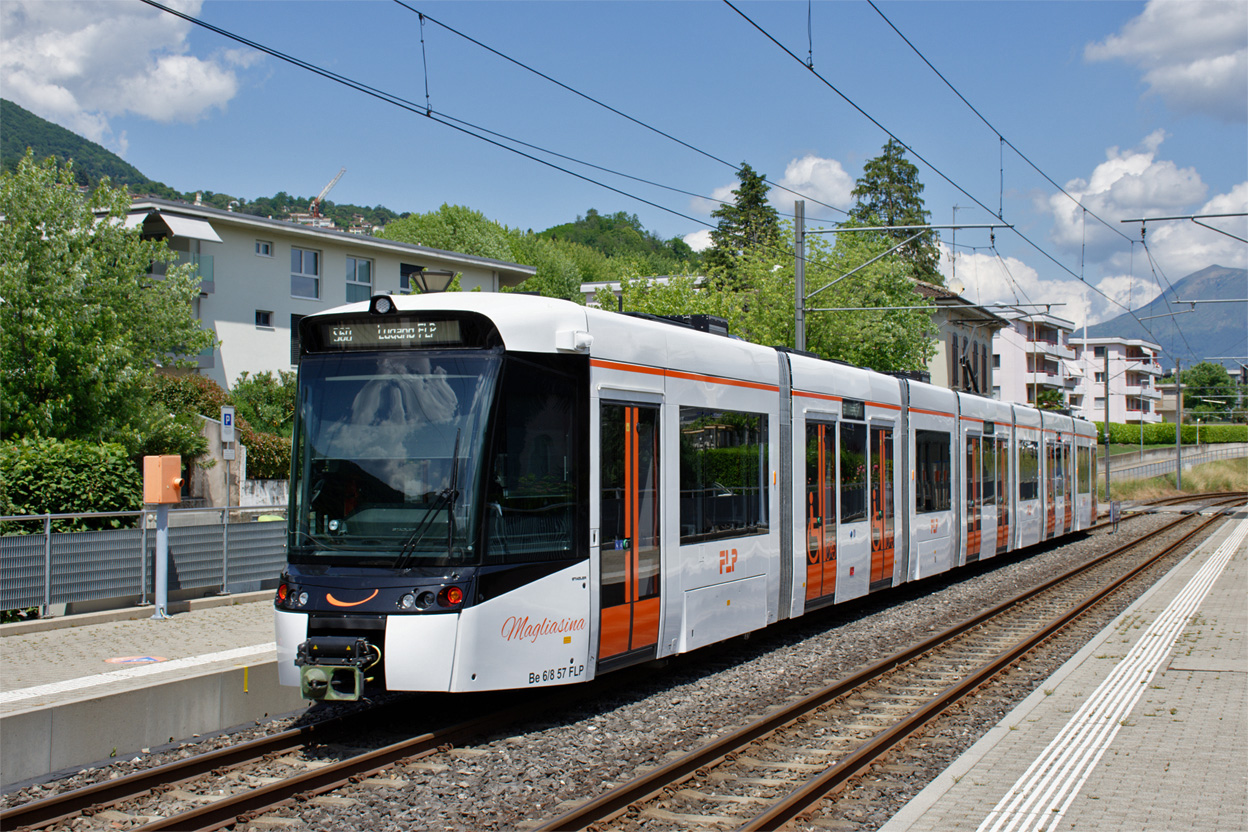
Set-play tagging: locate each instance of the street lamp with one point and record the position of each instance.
(433, 280)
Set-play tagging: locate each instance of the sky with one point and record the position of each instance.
(1063, 118)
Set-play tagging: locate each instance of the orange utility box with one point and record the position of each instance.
(162, 479)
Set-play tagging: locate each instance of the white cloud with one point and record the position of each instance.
(699, 240)
(816, 179)
(81, 63)
(1127, 185)
(1194, 54)
(813, 178)
(722, 194)
(989, 279)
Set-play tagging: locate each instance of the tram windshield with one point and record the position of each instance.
(387, 456)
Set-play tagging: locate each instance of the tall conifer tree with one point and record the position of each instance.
(889, 193)
(745, 224)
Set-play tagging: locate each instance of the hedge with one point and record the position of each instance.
(50, 476)
(1163, 434)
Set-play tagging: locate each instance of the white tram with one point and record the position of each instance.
(502, 491)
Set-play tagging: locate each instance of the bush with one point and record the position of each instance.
(1163, 434)
(268, 403)
(50, 476)
(268, 456)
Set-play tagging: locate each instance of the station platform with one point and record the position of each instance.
(89, 688)
(1144, 730)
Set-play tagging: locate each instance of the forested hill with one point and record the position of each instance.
(23, 129)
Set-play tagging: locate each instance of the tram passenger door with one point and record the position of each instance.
(1068, 479)
(1003, 495)
(1050, 489)
(630, 555)
(820, 510)
(882, 509)
(974, 497)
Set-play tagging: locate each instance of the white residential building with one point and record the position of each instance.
(964, 337)
(260, 276)
(1032, 355)
(1132, 369)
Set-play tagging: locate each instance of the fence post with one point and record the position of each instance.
(47, 565)
(162, 562)
(143, 558)
(225, 549)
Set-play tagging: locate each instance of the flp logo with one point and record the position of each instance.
(727, 561)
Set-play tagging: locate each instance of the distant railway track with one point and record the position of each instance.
(202, 778)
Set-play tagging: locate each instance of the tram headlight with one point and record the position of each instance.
(426, 599)
(407, 602)
(302, 599)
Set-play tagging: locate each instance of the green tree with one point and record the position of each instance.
(266, 401)
(453, 228)
(1208, 390)
(1051, 400)
(889, 193)
(85, 325)
(746, 224)
(764, 312)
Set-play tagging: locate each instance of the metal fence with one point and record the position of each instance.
(1169, 466)
(229, 550)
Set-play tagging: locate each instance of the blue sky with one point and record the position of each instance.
(1138, 109)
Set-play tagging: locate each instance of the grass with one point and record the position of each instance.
(1223, 475)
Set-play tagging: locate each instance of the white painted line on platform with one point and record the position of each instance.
(71, 685)
(1039, 799)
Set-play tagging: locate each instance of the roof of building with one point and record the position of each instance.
(171, 213)
(945, 298)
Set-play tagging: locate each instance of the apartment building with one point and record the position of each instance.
(1033, 355)
(259, 277)
(1132, 369)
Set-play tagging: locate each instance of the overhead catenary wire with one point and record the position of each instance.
(1002, 139)
(929, 164)
(598, 102)
(440, 118)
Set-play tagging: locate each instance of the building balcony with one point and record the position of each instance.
(1141, 365)
(1047, 380)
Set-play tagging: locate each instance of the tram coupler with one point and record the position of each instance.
(331, 668)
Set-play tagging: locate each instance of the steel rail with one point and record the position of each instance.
(612, 803)
(246, 805)
(49, 810)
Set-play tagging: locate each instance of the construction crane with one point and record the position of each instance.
(315, 207)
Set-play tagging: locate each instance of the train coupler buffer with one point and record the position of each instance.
(331, 668)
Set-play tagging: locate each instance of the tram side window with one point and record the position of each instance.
(1085, 468)
(535, 481)
(931, 458)
(853, 472)
(989, 468)
(1028, 470)
(723, 474)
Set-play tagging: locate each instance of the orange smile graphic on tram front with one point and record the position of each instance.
(331, 599)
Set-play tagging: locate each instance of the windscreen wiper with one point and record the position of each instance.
(446, 499)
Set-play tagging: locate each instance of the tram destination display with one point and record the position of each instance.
(400, 332)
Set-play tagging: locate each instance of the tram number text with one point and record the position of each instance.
(556, 674)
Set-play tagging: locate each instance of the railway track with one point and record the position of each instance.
(784, 764)
(229, 794)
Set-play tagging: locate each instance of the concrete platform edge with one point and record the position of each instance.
(958, 769)
(101, 729)
(60, 622)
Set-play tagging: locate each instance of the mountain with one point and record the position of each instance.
(1213, 329)
(23, 129)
